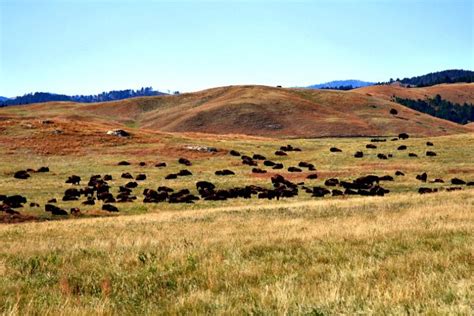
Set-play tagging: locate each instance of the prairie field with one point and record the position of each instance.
(403, 253)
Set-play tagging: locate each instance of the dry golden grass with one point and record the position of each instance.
(254, 110)
(395, 255)
(400, 254)
(455, 92)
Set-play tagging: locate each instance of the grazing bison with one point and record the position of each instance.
(131, 185)
(184, 173)
(335, 150)
(54, 210)
(152, 196)
(399, 173)
(140, 177)
(280, 153)
(246, 160)
(312, 176)
(124, 163)
(294, 169)
(403, 136)
(89, 201)
(453, 189)
(225, 172)
(402, 147)
(289, 148)
(336, 192)
(457, 181)
(430, 153)
(14, 201)
(32, 204)
(184, 161)
(71, 195)
(22, 174)
(331, 182)
(54, 200)
(426, 190)
(359, 154)
(161, 165)
(108, 177)
(74, 180)
(370, 146)
(412, 155)
(258, 170)
(378, 140)
(171, 176)
(43, 169)
(234, 153)
(429, 144)
(268, 163)
(382, 156)
(109, 208)
(127, 175)
(164, 189)
(142, 164)
(320, 192)
(278, 166)
(393, 111)
(438, 180)
(205, 185)
(422, 177)
(258, 157)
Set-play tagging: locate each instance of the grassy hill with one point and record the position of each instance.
(254, 110)
(456, 92)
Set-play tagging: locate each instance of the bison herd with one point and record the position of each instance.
(98, 188)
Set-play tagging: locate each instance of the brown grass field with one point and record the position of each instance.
(457, 93)
(403, 253)
(254, 110)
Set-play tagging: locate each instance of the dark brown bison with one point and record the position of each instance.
(184, 161)
(22, 174)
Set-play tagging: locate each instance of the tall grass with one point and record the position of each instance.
(405, 254)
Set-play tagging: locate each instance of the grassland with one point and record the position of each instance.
(457, 93)
(404, 253)
(258, 111)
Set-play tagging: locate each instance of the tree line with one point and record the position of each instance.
(39, 97)
(438, 107)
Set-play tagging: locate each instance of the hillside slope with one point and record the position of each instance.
(455, 92)
(253, 110)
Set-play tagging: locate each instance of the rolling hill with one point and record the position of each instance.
(251, 110)
(455, 92)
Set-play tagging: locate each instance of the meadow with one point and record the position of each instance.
(403, 253)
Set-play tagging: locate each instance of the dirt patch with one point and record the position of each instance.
(18, 218)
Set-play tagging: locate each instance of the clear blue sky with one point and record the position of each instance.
(85, 47)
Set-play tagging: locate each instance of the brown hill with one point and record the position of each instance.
(457, 92)
(253, 110)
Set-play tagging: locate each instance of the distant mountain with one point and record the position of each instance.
(39, 97)
(341, 84)
(3, 99)
(434, 78)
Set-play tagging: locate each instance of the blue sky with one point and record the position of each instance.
(85, 47)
